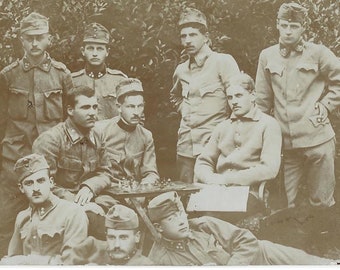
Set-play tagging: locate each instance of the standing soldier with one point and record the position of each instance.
(199, 88)
(31, 94)
(300, 82)
(95, 74)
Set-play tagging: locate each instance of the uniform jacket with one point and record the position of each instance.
(199, 95)
(290, 86)
(74, 159)
(243, 150)
(216, 242)
(51, 230)
(30, 103)
(104, 85)
(94, 251)
(131, 151)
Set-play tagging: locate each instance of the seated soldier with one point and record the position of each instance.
(50, 227)
(129, 145)
(210, 241)
(77, 157)
(244, 149)
(121, 245)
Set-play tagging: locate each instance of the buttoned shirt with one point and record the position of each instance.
(51, 230)
(292, 84)
(130, 149)
(30, 103)
(244, 150)
(75, 159)
(199, 95)
(104, 83)
(94, 251)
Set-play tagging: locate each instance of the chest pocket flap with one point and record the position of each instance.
(70, 164)
(275, 68)
(308, 66)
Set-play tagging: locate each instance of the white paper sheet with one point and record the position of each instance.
(219, 198)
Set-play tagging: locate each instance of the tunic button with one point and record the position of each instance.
(34, 237)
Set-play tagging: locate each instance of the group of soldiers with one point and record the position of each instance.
(66, 138)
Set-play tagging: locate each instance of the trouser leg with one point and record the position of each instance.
(185, 168)
(293, 161)
(320, 174)
(275, 254)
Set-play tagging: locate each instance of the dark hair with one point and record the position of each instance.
(121, 99)
(81, 90)
(202, 28)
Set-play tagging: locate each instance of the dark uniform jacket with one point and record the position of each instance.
(104, 83)
(50, 230)
(74, 159)
(93, 251)
(30, 103)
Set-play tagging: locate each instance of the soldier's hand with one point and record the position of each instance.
(84, 196)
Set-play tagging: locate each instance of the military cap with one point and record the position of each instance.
(120, 217)
(192, 15)
(95, 32)
(28, 165)
(34, 24)
(164, 205)
(129, 85)
(292, 12)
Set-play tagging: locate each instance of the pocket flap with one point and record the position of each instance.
(307, 66)
(70, 164)
(51, 92)
(109, 95)
(275, 68)
(12, 140)
(18, 92)
(50, 231)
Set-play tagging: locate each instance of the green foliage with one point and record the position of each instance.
(145, 40)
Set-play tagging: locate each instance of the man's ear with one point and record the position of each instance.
(51, 180)
(119, 107)
(50, 39)
(158, 227)
(69, 110)
(277, 23)
(82, 50)
(21, 188)
(137, 237)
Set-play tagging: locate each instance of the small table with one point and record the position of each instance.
(149, 191)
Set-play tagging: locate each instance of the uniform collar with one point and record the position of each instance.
(44, 65)
(95, 74)
(124, 126)
(46, 207)
(74, 134)
(253, 114)
(200, 58)
(285, 50)
(178, 245)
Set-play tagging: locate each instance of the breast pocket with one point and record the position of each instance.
(69, 172)
(53, 105)
(275, 69)
(18, 104)
(51, 236)
(14, 147)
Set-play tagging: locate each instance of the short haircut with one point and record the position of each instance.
(202, 28)
(76, 91)
(243, 80)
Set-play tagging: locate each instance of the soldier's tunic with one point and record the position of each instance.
(104, 83)
(130, 149)
(290, 83)
(75, 159)
(31, 99)
(50, 230)
(215, 242)
(94, 251)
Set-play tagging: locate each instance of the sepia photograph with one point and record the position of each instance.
(169, 132)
